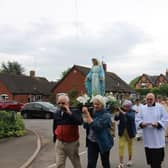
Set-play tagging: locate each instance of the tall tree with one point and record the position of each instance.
(12, 67)
(134, 81)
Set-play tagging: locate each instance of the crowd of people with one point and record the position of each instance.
(147, 121)
(150, 118)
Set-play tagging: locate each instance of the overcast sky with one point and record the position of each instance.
(50, 36)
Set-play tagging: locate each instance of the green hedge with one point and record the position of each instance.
(11, 124)
(162, 90)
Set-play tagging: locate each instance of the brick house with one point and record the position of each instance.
(75, 77)
(148, 81)
(25, 88)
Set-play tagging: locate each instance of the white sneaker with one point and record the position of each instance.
(121, 165)
(129, 163)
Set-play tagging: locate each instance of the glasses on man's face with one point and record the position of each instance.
(127, 106)
(62, 103)
(149, 99)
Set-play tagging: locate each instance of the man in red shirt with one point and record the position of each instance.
(66, 133)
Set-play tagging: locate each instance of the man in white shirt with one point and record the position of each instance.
(153, 119)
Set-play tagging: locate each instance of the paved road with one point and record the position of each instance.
(15, 151)
(46, 157)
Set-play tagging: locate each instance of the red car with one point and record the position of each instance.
(10, 105)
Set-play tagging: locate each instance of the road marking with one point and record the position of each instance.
(82, 153)
(53, 165)
(30, 160)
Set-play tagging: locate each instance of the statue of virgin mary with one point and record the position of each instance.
(95, 79)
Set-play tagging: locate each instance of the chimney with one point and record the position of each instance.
(32, 74)
(104, 66)
(166, 72)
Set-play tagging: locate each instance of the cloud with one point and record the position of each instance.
(18, 41)
(113, 43)
(63, 33)
(42, 43)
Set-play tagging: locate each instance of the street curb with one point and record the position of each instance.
(30, 160)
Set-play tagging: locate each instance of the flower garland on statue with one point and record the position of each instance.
(111, 103)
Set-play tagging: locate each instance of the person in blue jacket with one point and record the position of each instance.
(99, 139)
(126, 131)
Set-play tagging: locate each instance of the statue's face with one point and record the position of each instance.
(94, 62)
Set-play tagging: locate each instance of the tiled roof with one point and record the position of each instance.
(21, 84)
(153, 78)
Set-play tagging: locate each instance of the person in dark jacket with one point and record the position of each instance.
(99, 138)
(126, 131)
(66, 133)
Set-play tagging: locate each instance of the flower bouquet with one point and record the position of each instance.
(112, 104)
(84, 100)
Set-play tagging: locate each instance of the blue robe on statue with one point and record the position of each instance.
(95, 81)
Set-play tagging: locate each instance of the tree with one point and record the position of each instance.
(73, 95)
(143, 91)
(65, 72)
(134, 81)
(155, 90)
(164, 90)
(12, 67)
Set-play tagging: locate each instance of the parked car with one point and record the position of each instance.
(10, 105)
(38, 109)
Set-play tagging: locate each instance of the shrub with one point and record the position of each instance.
(143, 92)
(11, 124)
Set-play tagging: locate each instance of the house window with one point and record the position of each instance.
(33, 98)
(3, 97)
(143, 85)
(160, 83)
(38, 97)
(74, 71)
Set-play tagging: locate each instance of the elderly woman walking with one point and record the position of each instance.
(99, 139)
(126, 131)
